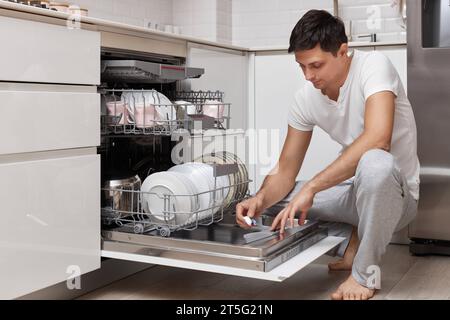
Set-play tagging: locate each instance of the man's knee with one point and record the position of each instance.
(375, 167)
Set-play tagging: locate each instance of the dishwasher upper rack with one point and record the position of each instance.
(199, 96)
(137, 219)
(137, 115)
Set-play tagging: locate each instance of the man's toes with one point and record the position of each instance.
(339, 265)
(370, 294)
(337, 295)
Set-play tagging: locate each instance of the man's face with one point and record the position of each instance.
(323, 69)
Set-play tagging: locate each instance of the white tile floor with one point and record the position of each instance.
(403, 277)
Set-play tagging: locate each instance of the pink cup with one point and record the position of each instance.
(144, 116)
(116, 109)
(213, 109)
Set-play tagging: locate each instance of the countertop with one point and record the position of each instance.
(350, 44)
(112, 24)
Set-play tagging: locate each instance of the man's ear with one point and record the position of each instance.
(343, 50)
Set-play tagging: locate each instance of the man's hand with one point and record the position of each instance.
(251, 207)
(302, 202)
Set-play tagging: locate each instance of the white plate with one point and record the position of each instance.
(163, 105)
(242, 174)
(220, 184)
(218, 159)
(177, 187)
(194, 173)
(225, 156)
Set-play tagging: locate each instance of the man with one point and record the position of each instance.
(359, 100)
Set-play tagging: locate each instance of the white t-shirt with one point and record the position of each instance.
(370, 72)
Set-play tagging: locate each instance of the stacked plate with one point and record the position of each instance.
(151, 105)
(184, 194)
(238, 180)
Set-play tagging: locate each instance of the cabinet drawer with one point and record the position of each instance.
(40, 52)
(36, 120)
(51, 210)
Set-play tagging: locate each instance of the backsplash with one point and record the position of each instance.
(206, 19)
(250, 23)
(269, 23)
(134, 12)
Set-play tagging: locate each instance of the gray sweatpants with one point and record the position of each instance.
(376, 200)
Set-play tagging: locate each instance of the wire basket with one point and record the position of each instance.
(129, 111)
(179, 211)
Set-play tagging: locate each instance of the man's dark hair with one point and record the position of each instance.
(318, 27)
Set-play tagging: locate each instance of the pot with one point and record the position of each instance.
(121, 197)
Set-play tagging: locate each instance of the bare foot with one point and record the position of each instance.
(350, 289)
(345, 264)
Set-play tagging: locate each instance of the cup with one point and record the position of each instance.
(144, 116)
(213, 109)
(168, 28)
(118, 109)
(176, 30)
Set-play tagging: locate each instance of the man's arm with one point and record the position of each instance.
(377, 134)
(378, 127)
(281, 179)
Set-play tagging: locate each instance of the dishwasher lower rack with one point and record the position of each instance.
(136, 217)
(220, 245)
(148, 112)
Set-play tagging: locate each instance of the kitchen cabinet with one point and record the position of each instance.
(41, 52)
(50, 206)
(44, 117)
(49, 167)
(225, 70)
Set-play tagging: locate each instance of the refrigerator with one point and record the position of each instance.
(429, 94)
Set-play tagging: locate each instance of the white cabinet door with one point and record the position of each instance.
(225, 70)
(43, 117)
(50, 209)
(398, 57)
(40, 52)
(277, 78)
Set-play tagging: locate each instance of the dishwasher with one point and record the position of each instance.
(138, 142)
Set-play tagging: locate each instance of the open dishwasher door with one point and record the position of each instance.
(222, 248)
